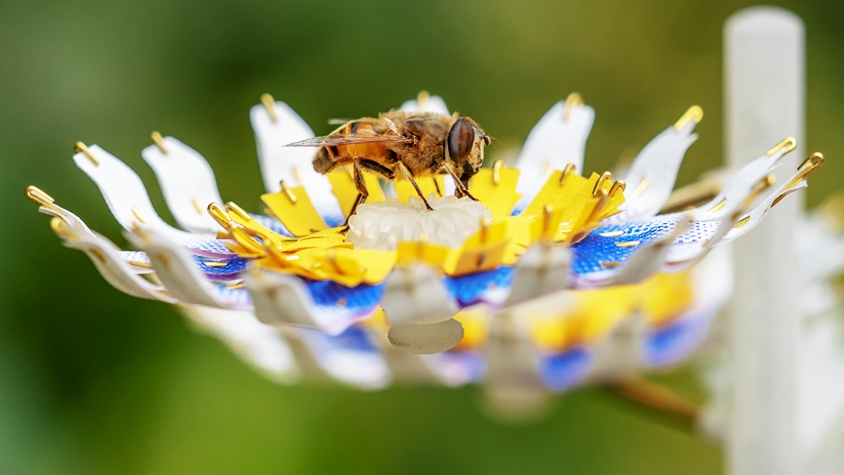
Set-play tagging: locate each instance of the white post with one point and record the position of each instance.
(764, 80)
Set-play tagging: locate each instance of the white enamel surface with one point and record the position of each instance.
(177, 271)
(117, 272)
(512, 383)
(681, 256)
(187, 182)
(129, 202)
(406, 367)
(261, 346)
(416, 295)
(123, 191)
(362, 369)
(739, 187)
(294, 165)
(759, 212)
(281, 299)
(658, 163)
(553, 143)
(108, 259)
(541, 270)
(620, 354)
(643, 263)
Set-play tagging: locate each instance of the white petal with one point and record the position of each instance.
(181, 276)
(364, 368)
(541, 270)
(187, 183)
(283, 299)
(653, 173)
(553, 143)
(262, 346)
(108, 258)
(294, 165)
(416, 295)
(435, 104)
(129, 202)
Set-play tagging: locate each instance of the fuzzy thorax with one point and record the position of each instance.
(382, 225)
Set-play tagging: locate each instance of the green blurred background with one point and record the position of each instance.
(96, 382)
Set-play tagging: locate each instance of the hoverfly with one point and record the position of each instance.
(406, 145)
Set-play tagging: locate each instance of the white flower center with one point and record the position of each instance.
(382, 225)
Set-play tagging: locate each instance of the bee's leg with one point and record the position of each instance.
(460, 189)
(363, 193)
(404, 171)
(437, 186)
(457, 192)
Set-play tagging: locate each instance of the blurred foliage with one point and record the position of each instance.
(97, 382)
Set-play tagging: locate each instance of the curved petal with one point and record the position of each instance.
(541, 270)
(653, 173)
(349, 358)
(187, 182)
(324, 305)
(555, 141)
(292, 164)
(416, 295)
(182, 277)
(434, 104)
(111, 264)
(129, 202)
(262, 346)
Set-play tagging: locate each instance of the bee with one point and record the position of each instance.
(406, 145)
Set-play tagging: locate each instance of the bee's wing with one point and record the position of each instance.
(339, 139)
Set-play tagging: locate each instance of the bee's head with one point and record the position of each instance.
(465, 147)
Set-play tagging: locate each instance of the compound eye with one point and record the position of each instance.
(461, 139)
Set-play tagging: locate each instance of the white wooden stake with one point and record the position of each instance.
(764, 79)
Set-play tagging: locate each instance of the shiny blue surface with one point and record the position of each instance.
(673, 342)
(469, 289)
(355, 299)
(561, 371)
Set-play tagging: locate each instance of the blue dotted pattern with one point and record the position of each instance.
(562, 371)
(362, 298)
(234, 266)
(469, 289)
(588, 253)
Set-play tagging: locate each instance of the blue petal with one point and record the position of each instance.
(564, 370)
(469, 289)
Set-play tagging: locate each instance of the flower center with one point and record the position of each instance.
(382, 225)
